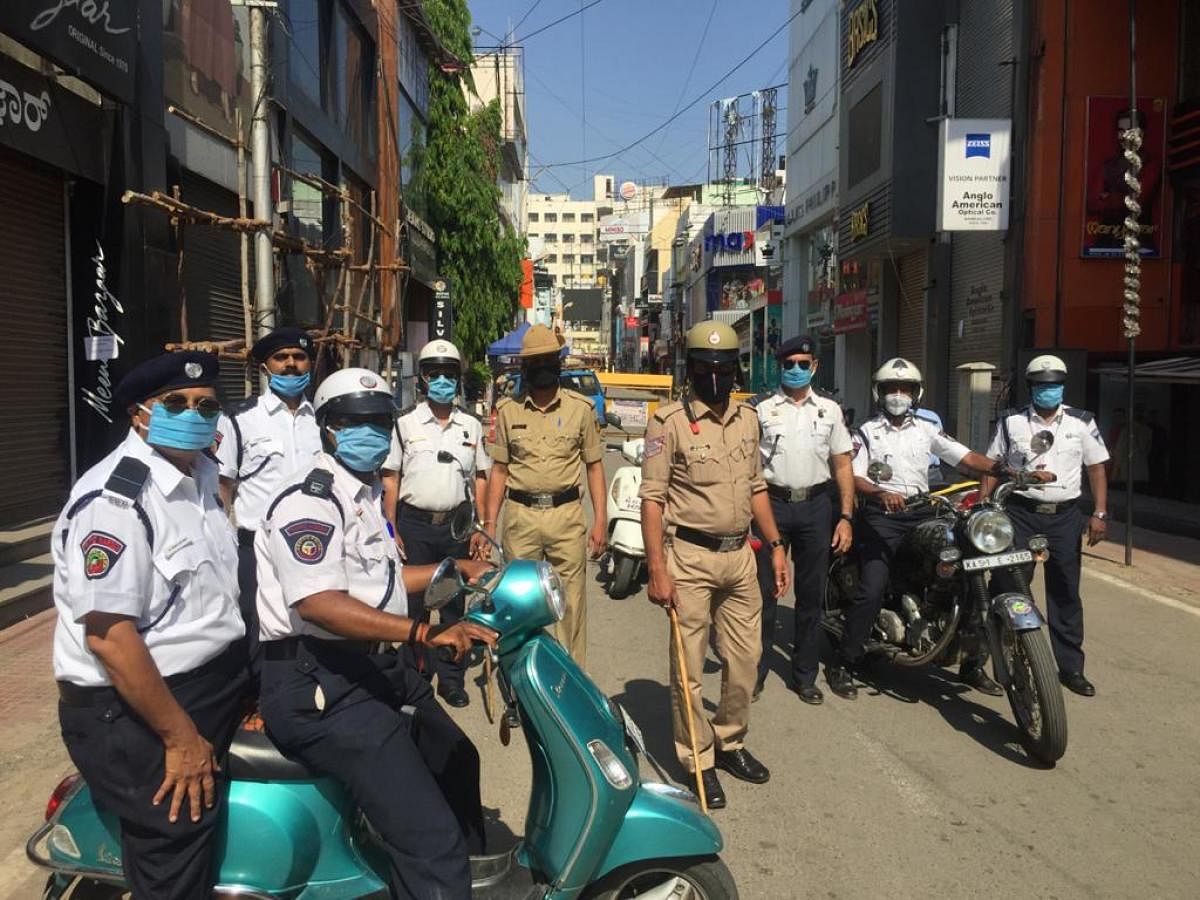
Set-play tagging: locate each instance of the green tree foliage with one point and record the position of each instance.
(477, 249)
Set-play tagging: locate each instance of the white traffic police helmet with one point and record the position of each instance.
(1046, 369)
(897, 370)
(439, 352)
(353, 392)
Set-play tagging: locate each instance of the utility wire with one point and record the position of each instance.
(528, 12)
(550, 25)
(705, 93)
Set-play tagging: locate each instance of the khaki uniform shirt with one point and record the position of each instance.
(798, 438)
(704, 480)
(543, 448)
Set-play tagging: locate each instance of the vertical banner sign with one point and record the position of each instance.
(974, 163)
(1104, 200)
(442, 327)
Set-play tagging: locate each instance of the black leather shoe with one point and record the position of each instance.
(1074, 681)
(840, 682)
(714, 794)
(454, 696)
(741, 765)
(810, 694)
(981, 681)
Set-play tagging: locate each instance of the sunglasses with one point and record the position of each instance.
(208, 407)
(797, 364)
(440, 371)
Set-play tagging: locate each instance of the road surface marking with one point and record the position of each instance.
(1145, 593)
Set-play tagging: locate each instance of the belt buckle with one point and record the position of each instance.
(438, 517)
(729, 542)
(798, 494)
(543, 501)
(1046, 508)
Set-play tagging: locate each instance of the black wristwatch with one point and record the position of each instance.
(778, 542)
(846, 517)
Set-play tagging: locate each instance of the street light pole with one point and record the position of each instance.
(260, 161)
(1131, 141)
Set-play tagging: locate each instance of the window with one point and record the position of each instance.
(410, 129)
(568, 238)
(585, 238)
(551, 217)
(865, 123)
(586, 259)
(586, 217)
(533, 217)
(552, 258)
(551, 237)
(602, 254)
(568, 217)
(569, 258)
(305, 21)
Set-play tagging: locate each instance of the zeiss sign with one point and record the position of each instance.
(978, 145)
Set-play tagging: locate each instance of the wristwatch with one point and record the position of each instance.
(1100, 514)
(846, 517)
(778, 542)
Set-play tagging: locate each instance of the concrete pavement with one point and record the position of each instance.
(917, 788)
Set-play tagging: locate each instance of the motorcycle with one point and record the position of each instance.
(594, 828)
(939, 585)
(627, 551)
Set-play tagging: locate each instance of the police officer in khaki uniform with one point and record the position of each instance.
(806, 463)
(542, 436)
(701, 486)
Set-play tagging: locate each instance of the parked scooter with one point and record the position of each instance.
(593, 828)
(627, 550)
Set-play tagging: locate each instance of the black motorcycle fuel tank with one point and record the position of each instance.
(918, 552)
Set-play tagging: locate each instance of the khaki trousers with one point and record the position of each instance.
(720, 589)
(558, 536)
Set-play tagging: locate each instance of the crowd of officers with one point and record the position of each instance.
(169, 618)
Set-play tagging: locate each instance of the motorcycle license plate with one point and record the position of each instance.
(1014, 558)
(631, 729)
(631, 504)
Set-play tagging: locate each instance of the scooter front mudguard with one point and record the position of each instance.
(663, 821)
(626, 537)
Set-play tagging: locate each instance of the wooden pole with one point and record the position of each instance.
(178, 228)
(677, 636)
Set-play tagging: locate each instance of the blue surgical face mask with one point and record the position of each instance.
(184, 430)
(363, 448)
(290, 385)
(796, 377)
(1047, 396)
(442, 389)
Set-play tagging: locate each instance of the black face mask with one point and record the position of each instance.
(543, 376)
(713, 388)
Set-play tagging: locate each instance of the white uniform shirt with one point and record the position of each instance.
(798, 438)
(906, 448)
(424, 482)
(275, 443)
(1077, 443)
(312, 544)
(182, 590)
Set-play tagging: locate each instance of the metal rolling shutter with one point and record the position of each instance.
(213, 278)
(977, 286)
(34, 415)
(911, 323)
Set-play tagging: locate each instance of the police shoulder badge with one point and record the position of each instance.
(653, 447)
(308, 539)
(101, 551)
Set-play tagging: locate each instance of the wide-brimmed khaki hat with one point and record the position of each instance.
(540, 341)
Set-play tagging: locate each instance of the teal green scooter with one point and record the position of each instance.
(593, 829)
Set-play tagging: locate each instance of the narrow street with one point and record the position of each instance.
(918, 788)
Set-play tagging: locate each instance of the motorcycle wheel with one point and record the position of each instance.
(623, 576)
(687, 878)
(1035, 695)
(63, 887)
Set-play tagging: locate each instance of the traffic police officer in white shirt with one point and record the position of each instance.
(436, 448)
(904, 442)
(806, 462)
(147, 651)
(260, 442)
(1050, 436)
(331, 585)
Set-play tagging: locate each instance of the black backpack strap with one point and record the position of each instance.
(318, 483)
(126, 480)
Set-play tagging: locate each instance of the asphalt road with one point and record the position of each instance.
(918, 788)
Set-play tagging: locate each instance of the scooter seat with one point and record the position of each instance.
(253, 757)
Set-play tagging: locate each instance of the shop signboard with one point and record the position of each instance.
(850, 312)
(1104, 198)
(974, 162)
(442, 326)
(94, 39)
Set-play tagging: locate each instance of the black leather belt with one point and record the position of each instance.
(227, 662)
(798, 495)
(544, 501)
(428, 516)
(289, 648)
(719, 543)
(1039, 506)
(245, 537)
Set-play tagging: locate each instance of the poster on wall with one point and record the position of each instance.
(736, 289)
(1104, 187)
(768, 331)
(973, 162)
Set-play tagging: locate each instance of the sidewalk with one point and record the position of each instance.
(1168, 564)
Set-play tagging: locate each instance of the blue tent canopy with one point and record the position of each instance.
(510, 344)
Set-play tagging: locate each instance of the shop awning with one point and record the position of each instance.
(1177, 369)
(510, 344)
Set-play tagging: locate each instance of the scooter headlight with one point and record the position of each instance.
(990, 531)
(552, 588)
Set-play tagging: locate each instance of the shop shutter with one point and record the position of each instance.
(911, 323)
(212, 276)
(34, 415)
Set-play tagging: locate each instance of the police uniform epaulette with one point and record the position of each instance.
(759, 398)
(824, 394)
(318, 483)
(1083, 414)
(244, 405)
(1011, 411)
(665, 412)
(128, 478)
(567, 392)
(404, 412)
